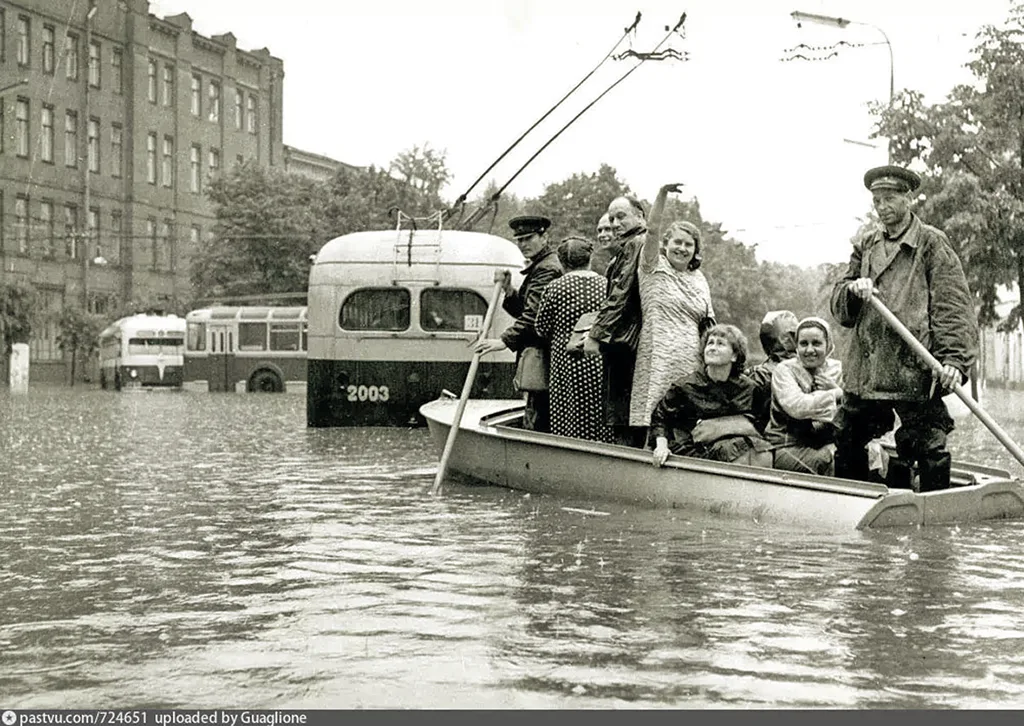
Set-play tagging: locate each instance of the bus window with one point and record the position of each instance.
(305, 336)
(252, 336)
(285, 336)
(384, 308)
(451, 310)
(197, 336)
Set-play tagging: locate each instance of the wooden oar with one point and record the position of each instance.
(442, 465)
(934, 364)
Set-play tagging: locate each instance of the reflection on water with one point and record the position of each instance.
(187, 550)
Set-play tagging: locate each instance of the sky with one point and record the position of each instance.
(774, 150)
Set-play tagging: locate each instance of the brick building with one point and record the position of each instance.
(112, 121)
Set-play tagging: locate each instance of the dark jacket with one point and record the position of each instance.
(522, 304)
(778, 341)
(924, 285)
(695, 397)
(619, 317)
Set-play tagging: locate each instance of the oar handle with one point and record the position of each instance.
(936, 366)
(467, 387)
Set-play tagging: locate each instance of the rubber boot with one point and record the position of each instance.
(934, 469)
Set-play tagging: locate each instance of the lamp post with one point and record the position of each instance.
(86, 236)
(801, 17)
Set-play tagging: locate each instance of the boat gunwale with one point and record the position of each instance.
(496, 424)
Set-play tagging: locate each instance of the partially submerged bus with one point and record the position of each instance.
(246, 349)
(142, 351)
(392, 315)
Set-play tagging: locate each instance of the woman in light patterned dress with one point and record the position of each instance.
(575, 381)
(675, 297)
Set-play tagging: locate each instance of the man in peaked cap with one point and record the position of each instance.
(914, 271)
(542, 266)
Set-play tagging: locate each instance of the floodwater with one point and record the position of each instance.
(195, 550)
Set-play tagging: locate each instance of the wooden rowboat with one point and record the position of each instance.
(492, 447)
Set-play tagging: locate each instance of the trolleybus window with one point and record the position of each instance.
(451, 310)
(252, 336)
(196, 339)
(286, 336)
(382, 308)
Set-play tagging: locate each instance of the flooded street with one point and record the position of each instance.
(201, 550)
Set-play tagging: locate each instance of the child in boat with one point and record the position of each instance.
(709, 413)
(806, 391)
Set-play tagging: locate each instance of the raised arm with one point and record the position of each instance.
(652, 246)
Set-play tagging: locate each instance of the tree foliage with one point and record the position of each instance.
(78, 333)
(576, 204)
(972, 148)
(17, 313)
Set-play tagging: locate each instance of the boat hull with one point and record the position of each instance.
(489, 448)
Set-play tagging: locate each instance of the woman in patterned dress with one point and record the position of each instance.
(575, 381)
(675, 298)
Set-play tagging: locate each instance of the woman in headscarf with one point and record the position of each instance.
(806, 391)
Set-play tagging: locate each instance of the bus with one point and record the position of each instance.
(142, 351)
(246, 349)
(392, 316)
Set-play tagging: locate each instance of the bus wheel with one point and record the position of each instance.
(265, 382)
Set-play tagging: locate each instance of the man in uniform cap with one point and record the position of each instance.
(913, 269)
(542, 266)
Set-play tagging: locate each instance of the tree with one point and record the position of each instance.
(17, 315)
(972, 147)
(78, 333)
(576, 204)
(422, 168)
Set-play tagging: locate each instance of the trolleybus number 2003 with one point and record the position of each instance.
(373, 394)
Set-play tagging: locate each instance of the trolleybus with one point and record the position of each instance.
(392, 315)
(246, 349)
(142, 351)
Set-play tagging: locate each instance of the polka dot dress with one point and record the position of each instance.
(575, 382)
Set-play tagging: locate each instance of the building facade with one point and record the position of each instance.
(314, 166)
(112, 122)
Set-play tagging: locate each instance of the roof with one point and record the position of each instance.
(387, 246)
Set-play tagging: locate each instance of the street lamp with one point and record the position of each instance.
(801, 17)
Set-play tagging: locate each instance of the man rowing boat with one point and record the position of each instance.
(913, 269)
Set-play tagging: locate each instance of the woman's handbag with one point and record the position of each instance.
(532, 370)
(579, 333)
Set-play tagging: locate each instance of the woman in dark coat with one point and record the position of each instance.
(709, 413)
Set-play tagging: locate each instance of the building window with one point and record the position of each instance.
(151, 82)
(116, 230)
(21, 223)
(214, 161)
(239, 159)
(163, 253)
(151, 158)
(214, 110)
(116, 148)
(71, 231)
(194, 233)
(194, 157)
(93, 132)
(167, 164)
(152, 238)
(46, 124)
(168, 87)
(94, 64)
(238, 109)
(116, 64)
(250, 114)
(2, 131)
(49, 42)
(24, 36)
(46, 220)
(70, 139)
(21, 130)
(197, 96)
(71, 56)
(93, 222)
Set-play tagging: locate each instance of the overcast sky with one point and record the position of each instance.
(757, 140)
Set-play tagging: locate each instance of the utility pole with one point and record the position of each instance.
(83, 250)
